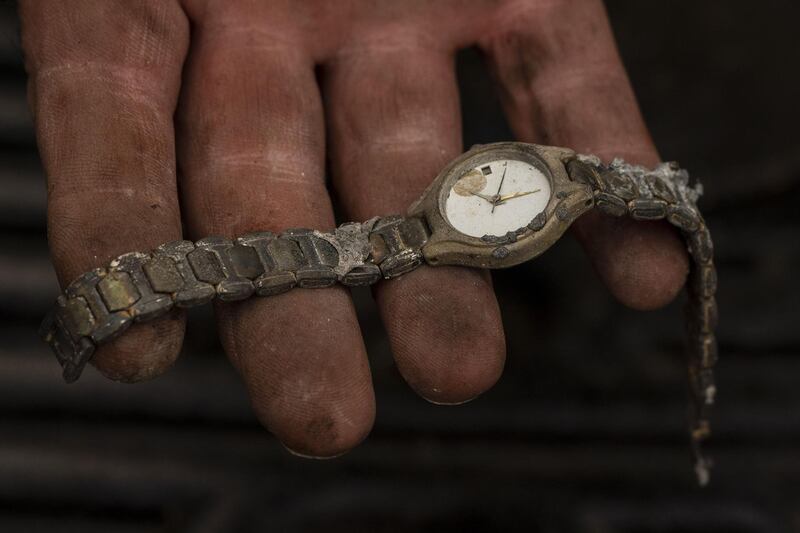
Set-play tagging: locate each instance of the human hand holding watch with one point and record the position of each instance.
(444, 227)
(250, 141)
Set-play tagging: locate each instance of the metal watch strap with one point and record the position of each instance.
(137, 287)
(663, 193)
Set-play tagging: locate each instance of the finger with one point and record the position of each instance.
(563, 83)
(394, 123)
(103, 84)
(252, 157)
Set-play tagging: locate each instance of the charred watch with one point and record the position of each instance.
(495, 206)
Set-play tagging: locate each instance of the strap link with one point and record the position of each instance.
(137, 287)
(663, 193)
(397, 243)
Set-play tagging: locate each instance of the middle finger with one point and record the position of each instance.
(252, 156)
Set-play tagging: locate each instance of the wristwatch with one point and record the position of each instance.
(495, 206)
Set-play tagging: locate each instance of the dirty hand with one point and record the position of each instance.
(247, 100)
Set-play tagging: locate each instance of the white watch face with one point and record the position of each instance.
(497, 197)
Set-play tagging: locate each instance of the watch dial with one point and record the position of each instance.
(497, 197)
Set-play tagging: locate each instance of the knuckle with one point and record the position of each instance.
(138, 90)
(155, 27)
(587, 43)
(515, 15)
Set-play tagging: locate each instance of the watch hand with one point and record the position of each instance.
(515, 195)
(486, 197)
(496, 197)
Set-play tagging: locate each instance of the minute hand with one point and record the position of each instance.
(497, 194)
(515, 195)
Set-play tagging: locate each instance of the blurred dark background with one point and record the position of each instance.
(586, 430)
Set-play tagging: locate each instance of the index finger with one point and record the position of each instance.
(103, 82)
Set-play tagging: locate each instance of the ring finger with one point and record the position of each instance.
(394, 123)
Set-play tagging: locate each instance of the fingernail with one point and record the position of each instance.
(307, 456)
(439, 402)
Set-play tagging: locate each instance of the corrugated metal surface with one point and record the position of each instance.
(585, 432)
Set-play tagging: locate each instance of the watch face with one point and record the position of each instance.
(496, 197)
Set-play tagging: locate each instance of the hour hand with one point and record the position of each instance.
(490, 199)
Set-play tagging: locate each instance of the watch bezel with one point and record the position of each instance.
(449, 246)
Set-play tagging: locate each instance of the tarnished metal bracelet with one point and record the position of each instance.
(621, 189)
(462, 219)
(136, 287)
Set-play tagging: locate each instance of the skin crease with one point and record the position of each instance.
(263, 94)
